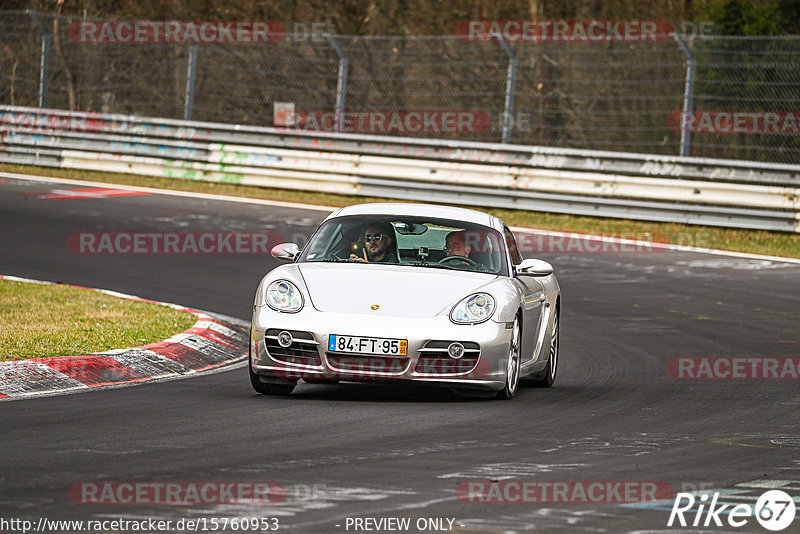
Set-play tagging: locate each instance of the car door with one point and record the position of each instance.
(533, 297)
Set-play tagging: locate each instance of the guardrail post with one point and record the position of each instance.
(188, 103)
(688, 92)
(511, 83)
(341, 84)
(44, 64)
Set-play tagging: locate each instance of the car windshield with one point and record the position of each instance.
(413, 241)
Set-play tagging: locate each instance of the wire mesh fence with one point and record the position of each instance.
(708, 96)
(747, 98)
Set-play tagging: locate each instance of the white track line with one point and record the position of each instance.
(156, 191)
(653, 245)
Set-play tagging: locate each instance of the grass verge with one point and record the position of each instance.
(39, 321)
(752, 241)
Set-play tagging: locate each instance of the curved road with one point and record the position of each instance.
(364, 451)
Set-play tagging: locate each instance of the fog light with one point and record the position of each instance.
(285, 339)
(455, 350)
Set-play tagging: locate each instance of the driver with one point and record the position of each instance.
(375, 244)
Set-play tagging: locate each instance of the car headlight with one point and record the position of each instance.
(474, 309)
(284, 296)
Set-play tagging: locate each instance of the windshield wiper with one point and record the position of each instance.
(434, 266)
(337, 260)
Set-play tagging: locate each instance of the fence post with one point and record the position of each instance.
(341, 84)
(511, 82)
(688, 92)
(188, 103)
(44, 64)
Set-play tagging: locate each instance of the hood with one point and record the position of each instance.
(399, 291)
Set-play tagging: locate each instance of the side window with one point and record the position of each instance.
(511, 244)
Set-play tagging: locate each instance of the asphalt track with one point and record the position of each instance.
(351, 450)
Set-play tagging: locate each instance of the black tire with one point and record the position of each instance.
(265, 388)
(512, 364)
(548, 376)
(269, 388)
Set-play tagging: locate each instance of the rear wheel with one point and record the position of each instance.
(512, 364)
(549, 375)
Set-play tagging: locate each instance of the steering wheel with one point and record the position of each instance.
(460, 259)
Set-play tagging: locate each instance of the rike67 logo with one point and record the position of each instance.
(774, 510)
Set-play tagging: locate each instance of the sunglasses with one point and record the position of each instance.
(376, 237)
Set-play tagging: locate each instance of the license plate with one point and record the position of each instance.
(368, 345)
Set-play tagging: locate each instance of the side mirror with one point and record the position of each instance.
(533, 267)
(285, 251)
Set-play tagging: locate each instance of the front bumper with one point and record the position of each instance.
(425, 362)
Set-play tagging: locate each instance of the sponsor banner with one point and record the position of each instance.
(181, 493)
(283, 114)
(733, 368)
(568, 491)
(582, 31)
(175, 32)
(389, 122)
(172, 242)
(735, 122)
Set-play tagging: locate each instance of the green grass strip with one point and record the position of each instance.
(39, 321)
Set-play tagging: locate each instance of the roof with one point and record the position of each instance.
(420, 210)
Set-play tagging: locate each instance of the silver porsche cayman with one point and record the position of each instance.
(406, 292)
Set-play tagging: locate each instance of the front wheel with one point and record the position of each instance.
(549, 376)
(261, 387)
(270, 389)
(512, 364)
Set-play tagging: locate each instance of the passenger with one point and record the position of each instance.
(456, 244)
(376, 243)
(456, 248)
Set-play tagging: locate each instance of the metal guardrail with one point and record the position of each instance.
(607, 184)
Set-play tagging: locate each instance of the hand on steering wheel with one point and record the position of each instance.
(460, 259)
